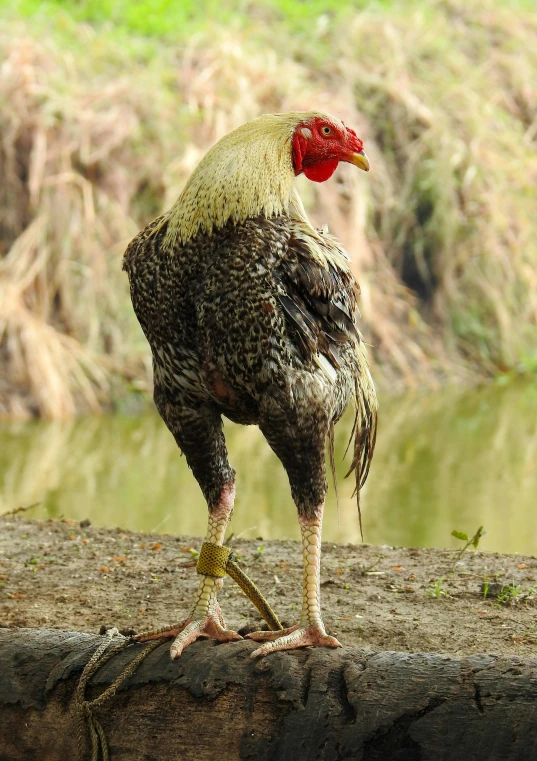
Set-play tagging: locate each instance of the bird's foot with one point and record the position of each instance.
(210, 626)
(289, 639)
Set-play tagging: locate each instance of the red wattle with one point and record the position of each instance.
(321, 170)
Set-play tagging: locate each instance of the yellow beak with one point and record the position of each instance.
(360, 160)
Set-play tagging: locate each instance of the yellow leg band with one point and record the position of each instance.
(212, 560)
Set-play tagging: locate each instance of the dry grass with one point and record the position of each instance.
(452, 100)
(73, 167)
(443, 231)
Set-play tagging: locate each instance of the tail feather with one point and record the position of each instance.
(332, 460)
(364, 433)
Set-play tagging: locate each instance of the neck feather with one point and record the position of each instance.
(248, 173)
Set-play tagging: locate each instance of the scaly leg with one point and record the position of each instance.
(206, 618)
(310, 630)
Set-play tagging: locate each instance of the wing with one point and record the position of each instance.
(319, 298)
(318, 294)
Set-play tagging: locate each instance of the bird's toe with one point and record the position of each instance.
(207, 627)
(264, 636)
(166, 632)
(312, 636)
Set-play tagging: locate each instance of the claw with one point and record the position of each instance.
(289, 639)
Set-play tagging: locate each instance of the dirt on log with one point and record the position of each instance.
(216, 702)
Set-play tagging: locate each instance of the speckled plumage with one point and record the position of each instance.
(251, 313)
(246, 323)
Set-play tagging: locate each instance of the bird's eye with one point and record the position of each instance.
(326, 130)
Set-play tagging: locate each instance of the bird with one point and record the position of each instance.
(251, 314)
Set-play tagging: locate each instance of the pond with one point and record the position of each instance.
(444, 461)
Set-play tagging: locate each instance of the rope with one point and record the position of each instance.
(213, 561)
(249, 588)
(85, 708)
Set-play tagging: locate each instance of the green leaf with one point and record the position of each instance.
(460, 535)
(477, 536)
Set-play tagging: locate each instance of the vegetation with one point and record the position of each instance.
(509, 594)
(105, 108)
(436, 589)
(473, 541)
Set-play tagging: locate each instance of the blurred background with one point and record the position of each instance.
(106, 106)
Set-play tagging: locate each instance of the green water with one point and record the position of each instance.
(450, 460)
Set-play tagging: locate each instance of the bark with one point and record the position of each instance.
(216, 703)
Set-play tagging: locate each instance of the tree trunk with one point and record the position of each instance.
(216, 703)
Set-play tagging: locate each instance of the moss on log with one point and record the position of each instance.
(215, 702)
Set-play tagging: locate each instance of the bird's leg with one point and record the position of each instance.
(206, 618)
(310, 630)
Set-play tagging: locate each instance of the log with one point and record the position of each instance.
(217, 703)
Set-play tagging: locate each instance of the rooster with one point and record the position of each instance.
(250, 313)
